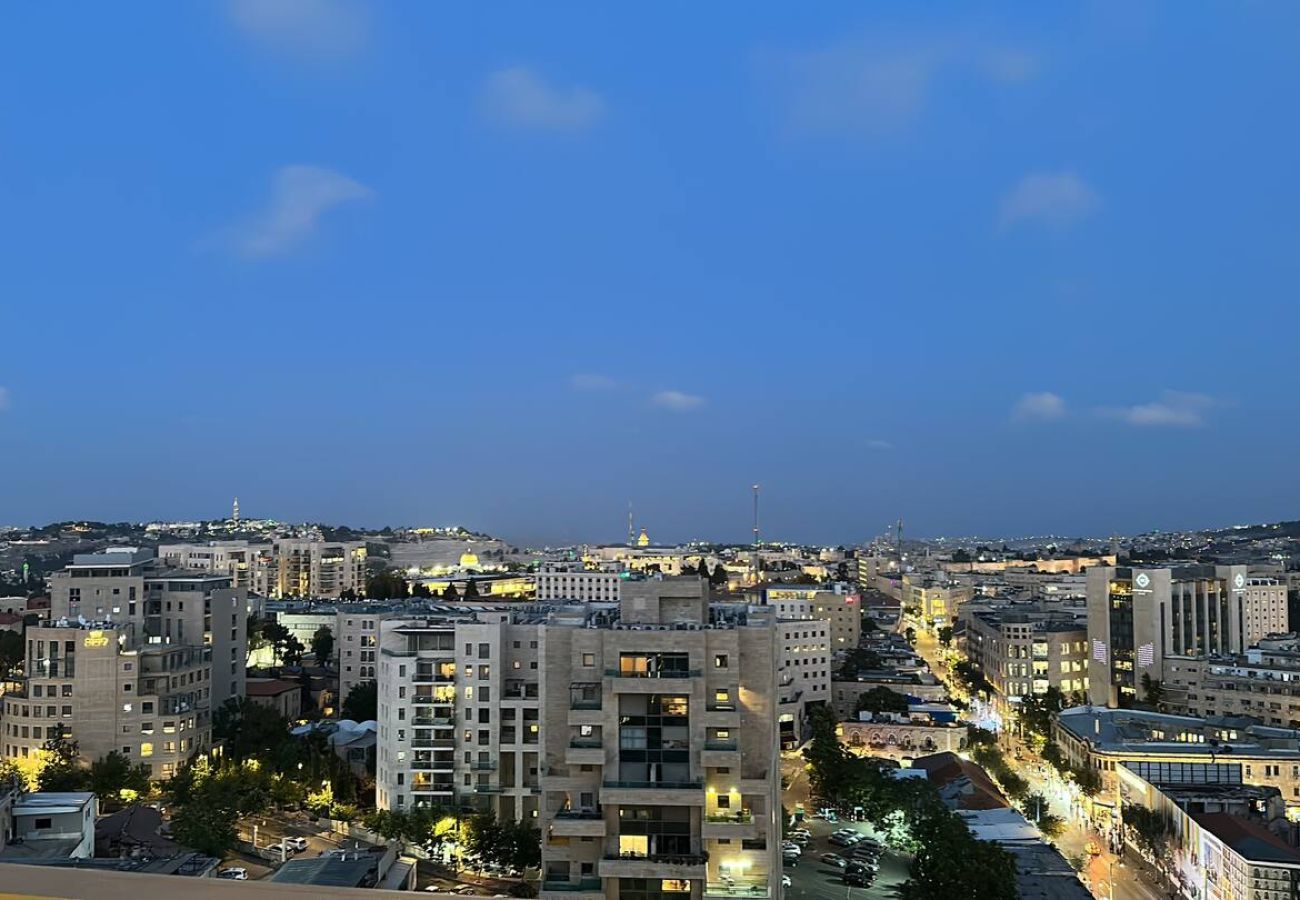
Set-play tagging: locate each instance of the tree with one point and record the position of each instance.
(387, 585)
(255, 627)
(719, 576)
(1053, 756)
(971, 677)
(1088, 779)
(1153, 691)
(362, 702)
(62, 769)
(1149, 827)
(945, 635)
(322, 645)
(910, 634)
(252, 731)
(1039, 711)
(11, 652)
(961, 555)
(881, 700)
(471, 589)
(450, 592)
(113, 778)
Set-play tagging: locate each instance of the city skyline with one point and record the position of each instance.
(993, 273)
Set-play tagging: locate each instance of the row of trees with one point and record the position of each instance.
(113, 778)
(948, 862)
(392, 585)
(265, 632)
(510, 843)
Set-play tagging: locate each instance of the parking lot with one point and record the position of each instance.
(810, 878)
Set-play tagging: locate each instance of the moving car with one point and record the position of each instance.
(297, 843)
(832, 859)
(234, 873)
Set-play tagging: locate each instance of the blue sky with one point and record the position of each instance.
(1011, 271)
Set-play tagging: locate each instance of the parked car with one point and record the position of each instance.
(785, 881)
(858, 879)
(791, 855)
(835, 860)
(791, 847)
(234, 873)
(297, 843)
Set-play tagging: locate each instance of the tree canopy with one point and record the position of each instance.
(362, 702)
(322, 645)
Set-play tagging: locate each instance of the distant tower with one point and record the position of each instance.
(755, 560)
(631, 533)
(234, 512)
(898, 541)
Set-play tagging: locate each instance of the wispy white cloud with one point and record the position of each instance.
(300, 196)
(878, 444)
(589, 381)
(1051, 198)
(1043, 406)
(873, 87)
(1174, 409)
(677, 401)
(313, 30)
(519, 97)
(4, 398)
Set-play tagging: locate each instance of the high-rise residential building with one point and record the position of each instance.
(99, 684)
(641, 737)
(1023, 654)
(248, 565)
(356, 642)
(1138, 616)
(804, 666)
(1263, 683)
(164, 606)
(574, 582)
(310, 568)
(838, 607)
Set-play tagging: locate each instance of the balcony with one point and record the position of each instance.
(585, 752)
(484, 765)
(579, 814)
(729, 826)
(587, 825)
(425, 743)
(584, 703)
(721, 745)
(755, 888)
(560, 890)
(653, 793)
(664, 673)
(656, 865)
(487, 788)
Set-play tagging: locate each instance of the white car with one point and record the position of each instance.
(297, 843)
(234, 873)
(785, 881)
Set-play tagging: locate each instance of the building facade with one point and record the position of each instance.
(558, 582)
(309, 568)
(157, 605)
(1263, 684)
(642, 737)
(98, 685)
(1138, 616)
(1023, 654)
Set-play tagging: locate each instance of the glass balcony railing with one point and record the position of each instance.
(586, 743)
(582, 886)
(661, 673)
(721, 745)
(695, 784)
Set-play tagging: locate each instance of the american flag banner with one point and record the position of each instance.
(1146, 655)
(1099, 651)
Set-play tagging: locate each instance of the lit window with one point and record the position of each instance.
(146, 749)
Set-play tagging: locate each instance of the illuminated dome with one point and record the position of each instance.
(468, 559)
(643, 540)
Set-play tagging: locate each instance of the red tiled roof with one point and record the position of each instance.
(270, 688)
(944, 768)
(1250, 839)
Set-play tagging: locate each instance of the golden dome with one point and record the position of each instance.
(468, 559)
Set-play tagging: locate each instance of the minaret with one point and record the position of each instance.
(234, 512)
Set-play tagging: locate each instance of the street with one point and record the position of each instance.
(1108, 876)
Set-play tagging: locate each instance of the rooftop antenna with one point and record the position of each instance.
(898, 540)
(631, 534)
(756, 490)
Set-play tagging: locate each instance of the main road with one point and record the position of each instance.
(1110, 877)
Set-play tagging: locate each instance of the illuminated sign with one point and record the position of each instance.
(96, 639)
(791, 595)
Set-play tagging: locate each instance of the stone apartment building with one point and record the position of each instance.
(1262, 683)
(1024, 653)
(641, 737)
(97, 684)
(574, 582)
(164, 606)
